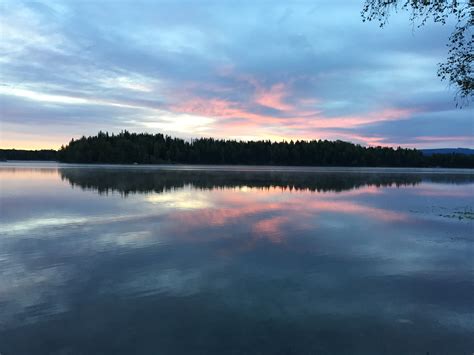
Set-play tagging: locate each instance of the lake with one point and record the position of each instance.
(235, 260)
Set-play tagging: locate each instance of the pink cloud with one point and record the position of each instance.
(433, 141)
(295, 120)
(220, 108)
(273, 98)
(296, 117)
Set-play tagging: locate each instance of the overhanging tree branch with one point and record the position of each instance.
(458, 67)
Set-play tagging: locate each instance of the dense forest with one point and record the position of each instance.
(144, 148)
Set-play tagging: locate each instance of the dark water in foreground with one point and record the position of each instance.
(151, 261)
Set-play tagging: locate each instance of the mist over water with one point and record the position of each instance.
(193, 260)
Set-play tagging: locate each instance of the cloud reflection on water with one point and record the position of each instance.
(346, 254)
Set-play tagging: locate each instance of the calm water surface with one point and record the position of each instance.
(138, 260)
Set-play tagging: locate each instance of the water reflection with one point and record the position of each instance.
(133, 181)
(235, 262)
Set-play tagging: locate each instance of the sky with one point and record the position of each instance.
(244, 70)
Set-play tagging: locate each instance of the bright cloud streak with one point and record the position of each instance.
(36, 96)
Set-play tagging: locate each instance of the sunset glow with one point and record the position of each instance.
(249, 72)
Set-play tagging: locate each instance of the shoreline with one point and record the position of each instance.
(238, 168)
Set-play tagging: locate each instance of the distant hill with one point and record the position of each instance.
(466, 151)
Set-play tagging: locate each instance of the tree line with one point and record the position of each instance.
(22, 154)
(145, 148)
